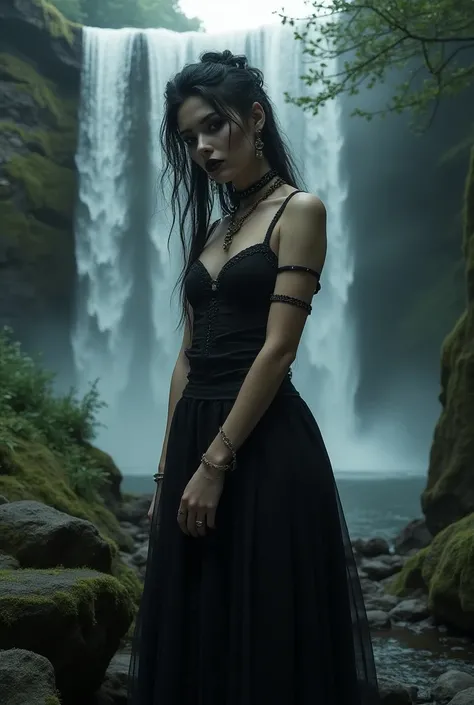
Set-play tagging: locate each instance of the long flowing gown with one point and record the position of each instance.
(267, 609)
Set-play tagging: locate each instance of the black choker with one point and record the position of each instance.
(254, 188)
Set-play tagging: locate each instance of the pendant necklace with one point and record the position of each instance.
(236, 223)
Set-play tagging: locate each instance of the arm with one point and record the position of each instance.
(302, 242)
(179, 379)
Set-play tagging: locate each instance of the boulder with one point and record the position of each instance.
(393, 693)
(115, 685)
(445, 571)
(465, 697)
(8, 562)
(451, 683)
(82, 612)
(39, 29)
(381, 567)
(371, 548)
(32, 471)
(378, 619)
(449, 493)
(410, 610)
(110, 491)
(414, 536)
(26, 679)
(42, 537)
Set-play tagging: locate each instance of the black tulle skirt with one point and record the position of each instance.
(267, 610)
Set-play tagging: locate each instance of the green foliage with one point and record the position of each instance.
(355, 43)
(29, 410)
(128, 13)
(72, 9)
(56, 22)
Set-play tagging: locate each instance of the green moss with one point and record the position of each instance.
(52, 700)
(47, 185)
(129, 579)
(57, 25)
(410, 577)
(57, 146)
(44, 92)
(32, 471)
(78, 600)
(449, 494)
(445, 569)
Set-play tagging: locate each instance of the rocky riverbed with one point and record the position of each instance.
(419, 660)
(60, 584)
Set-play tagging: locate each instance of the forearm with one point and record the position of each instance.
(179, 380)
(258, 390)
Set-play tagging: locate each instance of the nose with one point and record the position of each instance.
(203, 148)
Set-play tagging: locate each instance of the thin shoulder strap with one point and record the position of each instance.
(278, 214)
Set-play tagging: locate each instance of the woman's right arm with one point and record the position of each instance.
(179, 380)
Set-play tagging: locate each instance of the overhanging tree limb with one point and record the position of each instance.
(357, 43)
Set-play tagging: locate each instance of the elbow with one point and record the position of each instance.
(182, 363)
(280, 355)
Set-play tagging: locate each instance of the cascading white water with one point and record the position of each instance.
(101, 344)
(108, 325)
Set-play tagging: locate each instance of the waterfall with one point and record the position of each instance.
(125, 331)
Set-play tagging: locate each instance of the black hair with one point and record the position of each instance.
(231, 87)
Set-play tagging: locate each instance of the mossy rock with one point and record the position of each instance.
(31, 471)
(449, 494)
(56, 24)
(110, 492)
(26, 677)
(82, 612)
(445, 570)
(38, 139)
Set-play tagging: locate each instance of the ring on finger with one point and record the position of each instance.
(199, 524)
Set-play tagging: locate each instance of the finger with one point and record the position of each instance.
(191, 521)
(182, 517)
(201, 522)
(211, 518)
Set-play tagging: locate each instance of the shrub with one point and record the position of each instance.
(30, 410)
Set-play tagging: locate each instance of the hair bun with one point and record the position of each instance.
(226, 58)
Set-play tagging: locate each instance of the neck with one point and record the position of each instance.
(254, 172)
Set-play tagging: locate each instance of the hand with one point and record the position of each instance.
(197, 509)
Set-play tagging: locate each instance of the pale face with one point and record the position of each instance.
(218, 146)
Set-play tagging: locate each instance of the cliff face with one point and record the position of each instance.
(449, 494)
(40, 58)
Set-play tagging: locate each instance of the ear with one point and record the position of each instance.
(257, 116)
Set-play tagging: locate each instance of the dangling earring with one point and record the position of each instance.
(259, 145)
(214, 187)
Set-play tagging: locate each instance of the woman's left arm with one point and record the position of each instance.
(301, 254)
(302, 245)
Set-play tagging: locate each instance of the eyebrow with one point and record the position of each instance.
(201, 122)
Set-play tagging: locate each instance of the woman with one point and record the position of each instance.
(251, 594)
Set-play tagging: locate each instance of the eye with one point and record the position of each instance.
(216, 124)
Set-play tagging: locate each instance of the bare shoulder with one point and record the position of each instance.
(304, 222)
(305, 208)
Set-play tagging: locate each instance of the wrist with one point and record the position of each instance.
(218, 455)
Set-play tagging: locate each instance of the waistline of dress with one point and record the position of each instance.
(225, 389)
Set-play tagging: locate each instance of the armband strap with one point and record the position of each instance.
(299, 268)
(299, 303)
